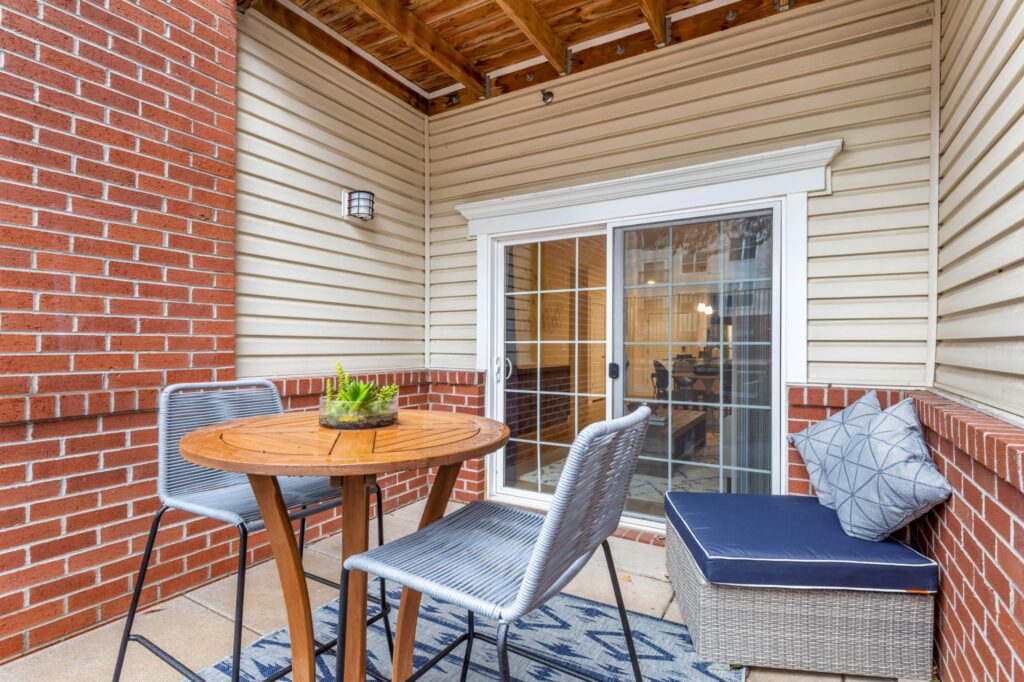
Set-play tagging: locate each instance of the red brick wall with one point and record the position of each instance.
(977, 536)
(117, 186)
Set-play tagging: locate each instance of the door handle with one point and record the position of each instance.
(497, 369)
(508, 368)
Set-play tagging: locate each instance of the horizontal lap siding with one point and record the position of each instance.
(313, 287)
(857, 71)
(980, 332)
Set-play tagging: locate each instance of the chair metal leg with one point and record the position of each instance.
(471, 632)
(503, 672)
(302, 533)
(385, 607)
(339, 661)
(622, 612)
(236, 642)
(137, 593)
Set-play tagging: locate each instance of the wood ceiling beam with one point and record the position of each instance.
(425, 40)
(324, 42)
(536, 28)
(654, 13)
(690, 28)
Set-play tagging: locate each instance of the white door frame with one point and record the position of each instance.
(782, 178)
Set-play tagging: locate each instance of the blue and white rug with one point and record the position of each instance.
(580, 633)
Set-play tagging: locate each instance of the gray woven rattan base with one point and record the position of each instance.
(884, 634)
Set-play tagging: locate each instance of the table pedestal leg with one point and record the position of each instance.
(409, 609)
(355, 500)
(289, 568)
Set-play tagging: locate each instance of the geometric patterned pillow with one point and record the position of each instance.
(821, 444)
(886, 477)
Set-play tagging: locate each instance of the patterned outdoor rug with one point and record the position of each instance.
(581, 633)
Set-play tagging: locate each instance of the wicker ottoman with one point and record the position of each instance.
(791, 617)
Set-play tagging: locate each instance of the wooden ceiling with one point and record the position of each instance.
(450, 49)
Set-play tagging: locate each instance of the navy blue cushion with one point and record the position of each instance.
(790, 541)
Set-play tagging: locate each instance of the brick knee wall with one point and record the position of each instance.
(977, 536)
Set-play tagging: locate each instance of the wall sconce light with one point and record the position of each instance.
(357, 203)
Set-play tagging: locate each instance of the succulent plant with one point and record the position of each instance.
(348, 400)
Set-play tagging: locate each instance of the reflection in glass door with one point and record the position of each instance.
(554, 354)
(694, 325)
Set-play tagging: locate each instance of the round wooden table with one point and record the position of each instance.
(294, 444)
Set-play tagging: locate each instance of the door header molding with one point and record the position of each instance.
(805, 168)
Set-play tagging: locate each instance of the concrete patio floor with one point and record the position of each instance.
(196, 627)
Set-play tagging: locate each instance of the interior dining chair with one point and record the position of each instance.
(502, 562)
(226, 496)
(659, 380)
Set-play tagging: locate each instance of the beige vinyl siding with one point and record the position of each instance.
(313, 287)
(980, 331)
(857, 70)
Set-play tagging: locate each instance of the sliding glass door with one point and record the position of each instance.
(691, 306)
(694, 335)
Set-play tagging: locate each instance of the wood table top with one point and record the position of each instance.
(294, 444)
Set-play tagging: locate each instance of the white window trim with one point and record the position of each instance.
(785, 177)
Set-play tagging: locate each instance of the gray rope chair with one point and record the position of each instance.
(224, 495)
(502, 562)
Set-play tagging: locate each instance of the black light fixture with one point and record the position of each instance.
(357, 203)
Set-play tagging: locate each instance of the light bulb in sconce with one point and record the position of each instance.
(701, 307)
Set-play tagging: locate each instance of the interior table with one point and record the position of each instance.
(294, 444)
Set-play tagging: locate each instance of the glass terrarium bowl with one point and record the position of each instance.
(344, 414)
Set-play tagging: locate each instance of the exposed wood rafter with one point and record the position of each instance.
(686, 29)
(321, 40)
(424, 40)
(537, 29)
(654, 13)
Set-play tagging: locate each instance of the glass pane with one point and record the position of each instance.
(711, 383)
(558, 316)
(556, 367)
(647, 256)
(647, 374)
(521, 465)
(592, 318)
(589, 411)
(648, 487)
(646, 314)
(521, 267)
(748, 375)
(748, 247)
(558, 264)
(695, 436)
(552, 461)
(521, 415)
(697, 252)
(695, 478)
(695, 374)
(557, 419)
(521, 317)
(656, 443)
(693, 314)
(591, 367)
(522, 369)
(747, 482)
(746, 438)
(593, 264)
